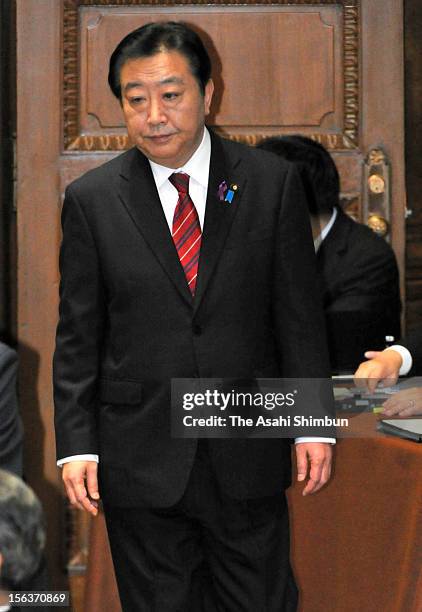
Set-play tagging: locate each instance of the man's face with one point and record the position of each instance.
(163, 107)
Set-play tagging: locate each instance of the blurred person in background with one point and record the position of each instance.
(22, 535)
(357, 269)
(12, 440)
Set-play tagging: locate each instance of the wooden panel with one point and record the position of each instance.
(349, 167)
(296, 81)
(73, 166)
(301, 58)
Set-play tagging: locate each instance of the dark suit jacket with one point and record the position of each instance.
(11, 433)
(413, 342)
(128, 323)
(360, 287)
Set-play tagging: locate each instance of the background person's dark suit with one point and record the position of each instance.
(360, 288)
(357, 270)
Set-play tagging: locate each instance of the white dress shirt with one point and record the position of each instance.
(406, 357)
(197, 167)
(325, 231)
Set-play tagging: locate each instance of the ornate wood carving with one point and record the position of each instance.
(75, 141)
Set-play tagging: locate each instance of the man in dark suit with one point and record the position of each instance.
(357, 270)
(187, 256)
(11, 432)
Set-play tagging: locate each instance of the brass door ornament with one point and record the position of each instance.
(376, 192)
(378, 224)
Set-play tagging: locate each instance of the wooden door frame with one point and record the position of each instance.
(374, 132)
(39, 125)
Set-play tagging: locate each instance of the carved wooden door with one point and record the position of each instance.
(333, 70)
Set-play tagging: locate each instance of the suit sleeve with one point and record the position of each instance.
(298, 310)
(297, 300)
(79, 334)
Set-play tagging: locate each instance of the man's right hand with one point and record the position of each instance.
(80, 480)
(383, 366)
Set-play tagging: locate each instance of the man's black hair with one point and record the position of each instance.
(160, 36)
(316, 166)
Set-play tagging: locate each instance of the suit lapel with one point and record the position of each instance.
(139, 195)
(138, 192)
(218, 215)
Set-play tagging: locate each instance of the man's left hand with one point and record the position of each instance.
(318, 456)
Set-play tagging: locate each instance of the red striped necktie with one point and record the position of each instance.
(186, 230)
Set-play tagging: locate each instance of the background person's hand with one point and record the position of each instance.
(317, 456)
(383, 366)
(404, 403)
(81, 483)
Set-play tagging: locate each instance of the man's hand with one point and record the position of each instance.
(383, 366)
(319, 455)
(80, 480)
(404, 403)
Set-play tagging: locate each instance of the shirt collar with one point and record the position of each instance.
(318, 240)
(198, 166)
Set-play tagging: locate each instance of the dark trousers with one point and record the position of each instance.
(207, 553)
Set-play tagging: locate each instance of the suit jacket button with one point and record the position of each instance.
(197, 330)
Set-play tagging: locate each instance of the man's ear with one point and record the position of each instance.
(208, 93)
